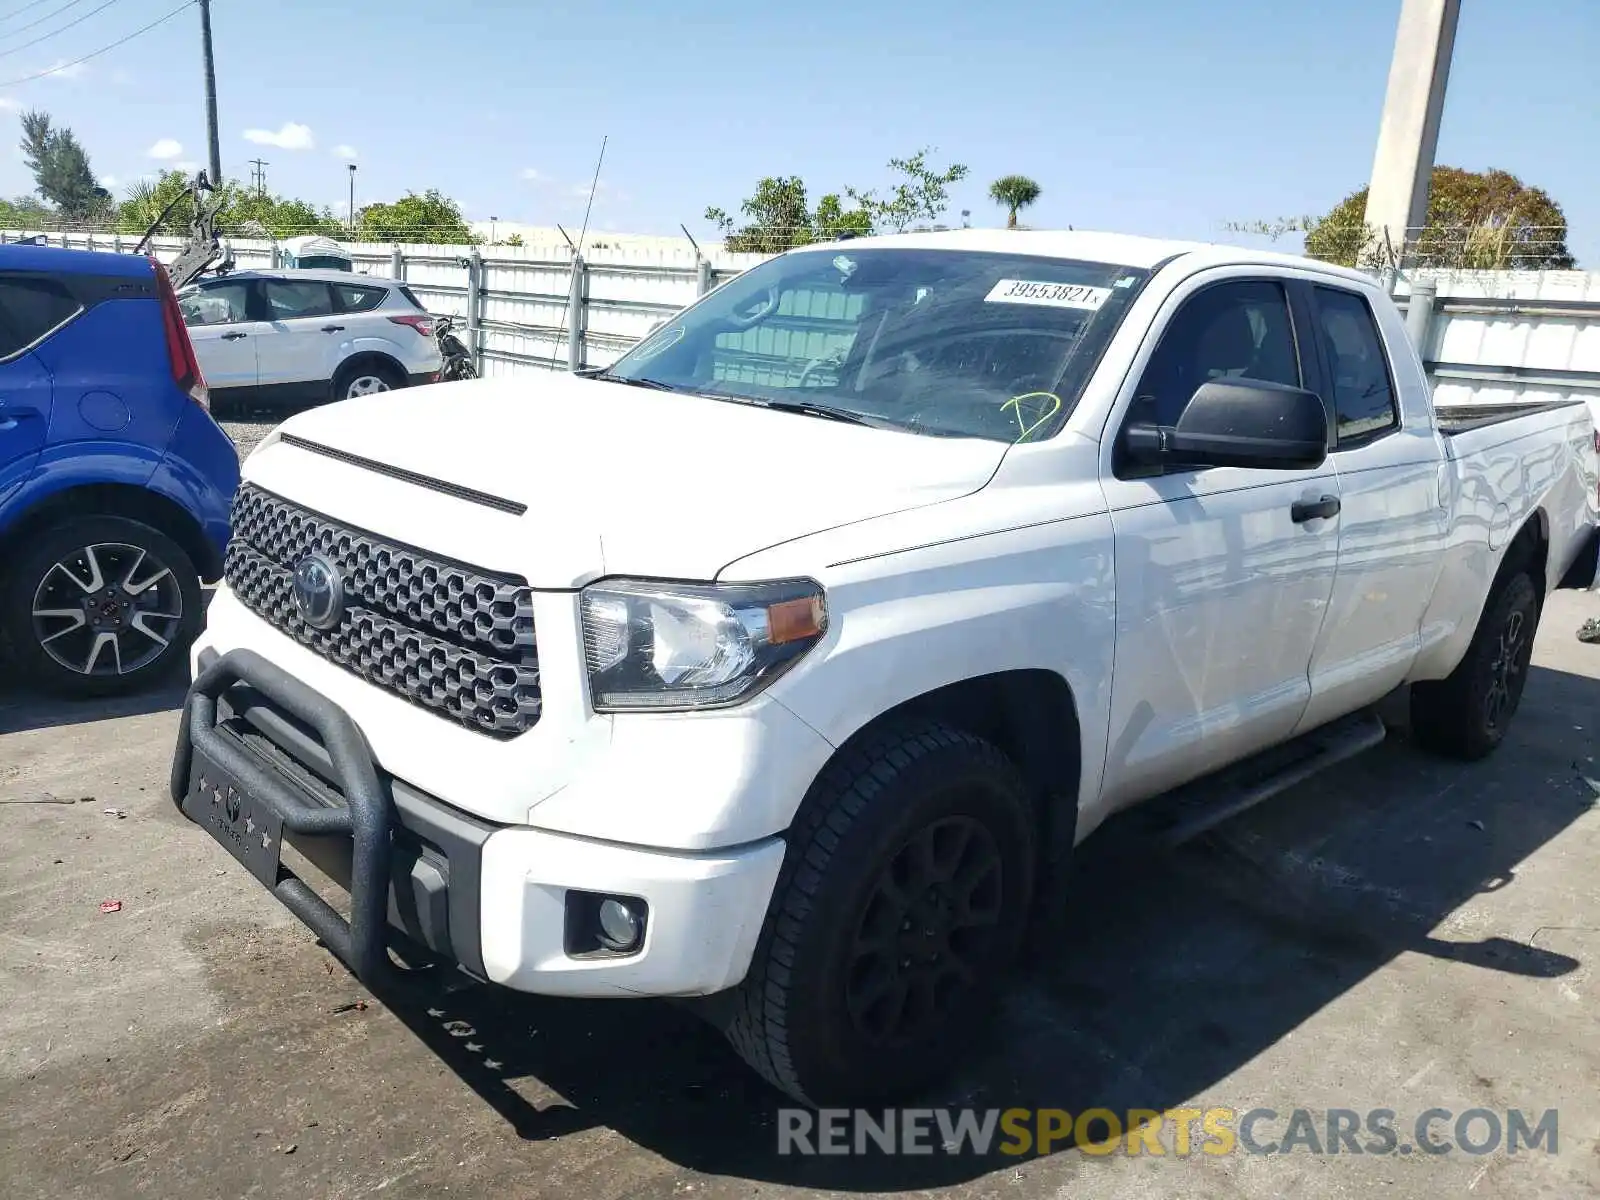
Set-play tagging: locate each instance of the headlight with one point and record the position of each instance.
(683, 646)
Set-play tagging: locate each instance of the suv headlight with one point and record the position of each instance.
(665, 646)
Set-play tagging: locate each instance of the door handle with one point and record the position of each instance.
(333, 329)
(1302, 511)
(233, 337)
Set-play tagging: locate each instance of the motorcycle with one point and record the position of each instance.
(454, 353)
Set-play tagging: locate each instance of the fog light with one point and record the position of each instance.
(605, 925)
(620, 926)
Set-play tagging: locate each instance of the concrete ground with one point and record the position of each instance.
(1404, 933)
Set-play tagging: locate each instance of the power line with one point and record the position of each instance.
(45, 37)
(17, 12)
(123, 41)
(55, 12)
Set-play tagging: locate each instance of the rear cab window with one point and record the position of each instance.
(411, 298)
(32, 308)
(1360, 378)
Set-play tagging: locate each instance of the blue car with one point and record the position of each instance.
(115, 482)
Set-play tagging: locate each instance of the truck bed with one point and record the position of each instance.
(1459, 418)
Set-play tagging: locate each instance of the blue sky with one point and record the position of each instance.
(1167, 117)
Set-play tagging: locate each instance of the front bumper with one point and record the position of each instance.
(495, 900)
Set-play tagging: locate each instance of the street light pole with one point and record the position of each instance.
(1408, 135)
(352, 199)
(214, 145)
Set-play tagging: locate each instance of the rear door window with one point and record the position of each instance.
(354, 298)
(288, 300)
(30, 309)
(1363, 388)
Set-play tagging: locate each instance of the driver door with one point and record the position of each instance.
(1220, 589)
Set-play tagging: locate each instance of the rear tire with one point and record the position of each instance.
(903, 898)
(100, 606)
(1467, 714)
(365, 379)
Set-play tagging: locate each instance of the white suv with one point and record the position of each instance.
(298, 337)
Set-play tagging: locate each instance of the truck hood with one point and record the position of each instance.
(622, 480)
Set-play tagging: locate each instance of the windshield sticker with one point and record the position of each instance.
(1041, 407)
(658, 343)
(1056, 295)
(845, 266)
(1126, 281)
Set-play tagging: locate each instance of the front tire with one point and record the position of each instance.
(1467, 714)
(903, 899)
(101, 606)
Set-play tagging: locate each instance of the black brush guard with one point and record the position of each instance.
(367, 816)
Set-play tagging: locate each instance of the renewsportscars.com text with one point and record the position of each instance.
(1177, 1132)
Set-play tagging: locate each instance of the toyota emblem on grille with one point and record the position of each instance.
(318, 592)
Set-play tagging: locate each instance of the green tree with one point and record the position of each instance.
(60, 167)
(430, 217)
(514, 240)
(919, 193)
(243, 212)
(1476, 220)
(1013, 193)
(779, 217)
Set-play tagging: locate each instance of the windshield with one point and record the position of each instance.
(949, 343)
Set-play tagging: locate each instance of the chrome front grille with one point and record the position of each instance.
(450, 638)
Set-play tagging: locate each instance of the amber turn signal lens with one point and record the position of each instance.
(794, 620)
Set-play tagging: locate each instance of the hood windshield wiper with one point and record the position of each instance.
(654, 385)
(806, 408)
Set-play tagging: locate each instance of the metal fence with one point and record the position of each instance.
(523, 308)
(1507, 337)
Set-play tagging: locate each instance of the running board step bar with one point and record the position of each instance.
(1191, 810)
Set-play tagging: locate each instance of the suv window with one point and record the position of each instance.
(288, 299)
(1235, 330)
(1363, 389)
(31, 308)
(216, 303)
(411, 298)
(353, 298)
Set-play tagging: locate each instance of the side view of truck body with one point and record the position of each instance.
(786, 661)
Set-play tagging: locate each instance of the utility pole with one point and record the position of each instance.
(214, 145)
(352, 200)
(1408, 136)
(259, 176)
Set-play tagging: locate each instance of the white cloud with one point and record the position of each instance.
(7, 104)
(530, 173)
(109, 181)
(65, 70)
(345, 151)
(290, 137)
(166, 148)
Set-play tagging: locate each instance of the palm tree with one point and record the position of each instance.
(1013, 193)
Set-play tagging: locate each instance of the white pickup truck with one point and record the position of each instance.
(784, 663)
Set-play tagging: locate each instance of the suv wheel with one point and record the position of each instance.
(903, 898)
(101, 606)
(364, 379)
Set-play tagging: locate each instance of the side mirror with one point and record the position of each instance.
(1239, 423)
